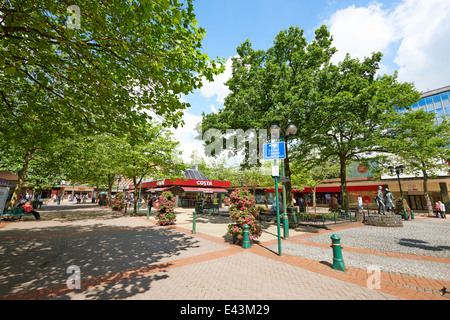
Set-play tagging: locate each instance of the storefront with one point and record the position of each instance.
(325, 193)
(195, 188)
(189, 191)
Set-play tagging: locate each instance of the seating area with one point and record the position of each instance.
(208, 208)
(12, 213)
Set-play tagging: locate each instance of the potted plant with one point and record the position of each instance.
(166, 214)
(333, 205)
(243, 211)
(119, 202)
(399, 207)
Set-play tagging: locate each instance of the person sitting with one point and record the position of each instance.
(29, 209)
(274, 207)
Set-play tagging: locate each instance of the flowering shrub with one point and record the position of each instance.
(399, 207)
(333, 205)
(102, 200)
(243, 211)
(166, 215)
(119, 202)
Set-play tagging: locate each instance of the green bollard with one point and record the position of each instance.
(194, 221)
(246, 242)
(338, 261)
(285, 227)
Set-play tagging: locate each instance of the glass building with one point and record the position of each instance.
(437, 101)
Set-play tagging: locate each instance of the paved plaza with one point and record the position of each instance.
(131, 258)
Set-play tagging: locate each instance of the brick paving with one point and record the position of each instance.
(131, 258)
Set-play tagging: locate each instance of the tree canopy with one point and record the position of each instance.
(342, 111)
(273, 86)
(95, 67)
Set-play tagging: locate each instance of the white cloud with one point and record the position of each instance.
(417, 29)
(360, 31)
(424, 28)
(186, 136)
(217, 88)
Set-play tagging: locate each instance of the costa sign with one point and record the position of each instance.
(204, 183)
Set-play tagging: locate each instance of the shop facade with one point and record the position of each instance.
(324, 193)
(188, 192)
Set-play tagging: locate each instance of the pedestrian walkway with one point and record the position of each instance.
(132, 258)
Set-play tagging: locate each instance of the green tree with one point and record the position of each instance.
(151, 157)
(353, 113)
(124, 64)
(273, 86)
(313, 176)
(93, 160)
(421, 144)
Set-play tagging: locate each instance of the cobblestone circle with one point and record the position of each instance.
(428, 237)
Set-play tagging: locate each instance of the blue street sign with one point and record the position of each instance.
(274, 151)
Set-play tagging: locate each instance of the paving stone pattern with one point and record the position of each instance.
(133, 258)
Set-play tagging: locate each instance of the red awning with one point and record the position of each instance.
(156, 190)
(204, 190)
(329, 189)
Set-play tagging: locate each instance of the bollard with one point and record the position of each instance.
(338, 262)
(285, 227)
(194, 221)
(246, 242)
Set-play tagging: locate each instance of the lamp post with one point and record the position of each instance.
(289, 132)
(399, 170)
(274, 136)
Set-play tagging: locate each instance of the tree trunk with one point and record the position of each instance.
(314, 198)
(343, 176)
(136, 195)
(22, 177)
(110, 183)
(425, 191)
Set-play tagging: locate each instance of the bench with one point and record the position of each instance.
(211, 208)
(17, 212)
(36, 204)
(266, 215)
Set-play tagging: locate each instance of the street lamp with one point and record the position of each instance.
(399, 170)
(289, 132)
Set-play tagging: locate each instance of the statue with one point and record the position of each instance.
(389, 198)
(380, 201)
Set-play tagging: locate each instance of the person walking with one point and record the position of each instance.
(436, 207)
(150, 204)
(442, 210)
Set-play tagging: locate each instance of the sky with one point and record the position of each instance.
(413, 35)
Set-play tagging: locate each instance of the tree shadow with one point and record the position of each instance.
(42, 262)
(420, 244)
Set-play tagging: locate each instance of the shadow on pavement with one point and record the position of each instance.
(35, 263)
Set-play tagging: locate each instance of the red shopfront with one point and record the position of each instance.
(324, 194)
(189, 191)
